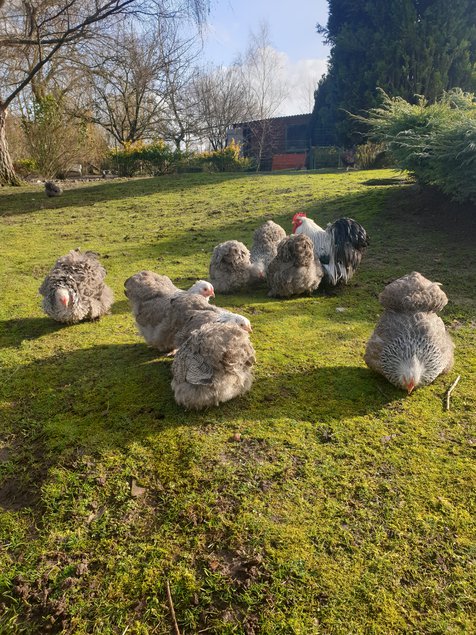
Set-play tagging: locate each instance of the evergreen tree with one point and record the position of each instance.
(406, 47)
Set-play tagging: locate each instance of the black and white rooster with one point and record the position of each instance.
(339, 247)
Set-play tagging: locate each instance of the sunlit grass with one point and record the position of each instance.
(324, 501)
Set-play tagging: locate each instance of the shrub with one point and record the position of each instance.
(25, 167)
(157, 158)
(148, 159)
(324, 157)
(435, 142)
(371, 156)
(225, 160)
(55, 139)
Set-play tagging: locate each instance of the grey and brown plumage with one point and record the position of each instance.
(294, 270)
(193, 315)
(339, 247)
(413, 292)
(347, 158)
(148, 284)
(214, 365)
(53, 189)
(74, 290)
(265, 244)
(231, 268)
(157, 318)
(410, 347)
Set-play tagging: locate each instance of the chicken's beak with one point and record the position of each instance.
(410, 386)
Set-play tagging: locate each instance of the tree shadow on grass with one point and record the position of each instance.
(34, 200)
(14, 332)
(90, 399)
(85, 401)
(389, 181)
(202, 237)
(324, 393)
(110, 396)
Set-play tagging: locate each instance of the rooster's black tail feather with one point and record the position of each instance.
(349, 240)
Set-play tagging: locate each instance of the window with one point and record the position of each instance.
(297, 138)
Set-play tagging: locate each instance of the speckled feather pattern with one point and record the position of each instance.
(404, 340)
(148, 284)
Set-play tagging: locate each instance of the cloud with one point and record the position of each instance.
(301, 79)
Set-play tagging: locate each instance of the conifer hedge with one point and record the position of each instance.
(434, 142)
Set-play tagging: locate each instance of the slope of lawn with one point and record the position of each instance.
(324, 501)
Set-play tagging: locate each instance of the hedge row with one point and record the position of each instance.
(157, 158)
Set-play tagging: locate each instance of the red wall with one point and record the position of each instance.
(289, 161)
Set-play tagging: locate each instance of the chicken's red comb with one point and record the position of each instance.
(299, 215)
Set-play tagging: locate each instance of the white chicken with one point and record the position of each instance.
(339, 247)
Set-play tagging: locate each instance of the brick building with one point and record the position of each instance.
(280, 143)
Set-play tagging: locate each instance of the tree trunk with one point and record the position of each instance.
(7, 171)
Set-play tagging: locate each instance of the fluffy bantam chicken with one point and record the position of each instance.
(148, 284)
(213, 365)
(413, 293)
(265, 244)
(52, 189)
(410, 345)
(196, 314)
(231, 268)
(294, 270)
(74, 290)
(339, 247)
(151, 297)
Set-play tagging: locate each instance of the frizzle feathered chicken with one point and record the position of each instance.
(339, 247)
(52, 189)
(410, 345)
(265, 244)
(231, 268)
(74, 290)
(151, 296)
(413, 292)
(294, 270)
(193, 315)
(213, 365)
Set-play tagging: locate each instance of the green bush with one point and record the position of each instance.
(157, 158)
(372, 156)
(225, 160)
(55, 140)
(324, 157)
(26, 167)
(435, 142)
(148, 159)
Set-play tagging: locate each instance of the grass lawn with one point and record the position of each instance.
(325, 501)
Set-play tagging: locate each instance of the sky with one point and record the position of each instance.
(292, 31)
